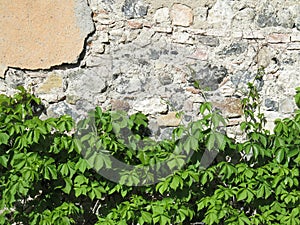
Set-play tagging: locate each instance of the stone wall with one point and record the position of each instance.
(142, 55)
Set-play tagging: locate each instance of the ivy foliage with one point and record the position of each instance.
(50, 176)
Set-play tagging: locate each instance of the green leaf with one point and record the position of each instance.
(175, 182)
(293, 152)
(211, 141)
(211, 217)
(146, 216)
(162, 186)
(4, 138)
(280, 155)
(242, 194)
(80, 179)
(81, 165)
(205, 106)
(68, 187)
(3, 160)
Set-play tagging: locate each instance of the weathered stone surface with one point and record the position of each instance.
(264, 57)
(165, 78)
(161, 15)
(278, 38)
(164, 29)
(287, 105)
(242, 18)
(271, 105)
(135, 8)
(230, 107)
(200, 15)
(53, 82)
(294, 46)
(62, 108)
(209, 41)
(129, 86)
(253, 34)
(117, 104)
(221, 14)
(35, 35)
(151, 106)
(278, 13)
(295, 37)
(200, 53)
(235, 49)
(182, 38)
(208, 76)
(134, 24)
(182, 15)
(168, 120)
(86, 84)
(297, 23)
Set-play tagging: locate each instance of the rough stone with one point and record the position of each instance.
(53, 83)
(295, 37)
(192, 3)
(168, 120)
(278, 38)
(117, 104)
(221, 14)
(134, 9)
(235, 49)
(129, 86)
(103, 37)
(166, 133)
(253, 34)
(62, 108)
(151, 106)
(200, 15)
(161, 15)
(271, 105)
(182, 38)
(181, 15)
(294, 46)
(209, 41)
(144, 38)
(287, 105)
(209, 77)
(134, 24)
(87, 83)
(177, 100)
(277, 13)
(34, 34)
(264, 57)
(150, 63)
(297, 24)
(200, 53)
(165, 79)
(243, 18)
(166, 29)
(230, 107)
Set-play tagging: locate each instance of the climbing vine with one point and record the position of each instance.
(51, 170)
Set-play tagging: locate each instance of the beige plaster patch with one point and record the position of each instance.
(39, 34)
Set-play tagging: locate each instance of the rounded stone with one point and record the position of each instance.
(182, 15)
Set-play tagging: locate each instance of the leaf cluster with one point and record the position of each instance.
(53, 171)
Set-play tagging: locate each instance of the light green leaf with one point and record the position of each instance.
(175, 182)
(3, 160)
(280, 155)
(4, 138)
(211, 141)
(242, 194)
